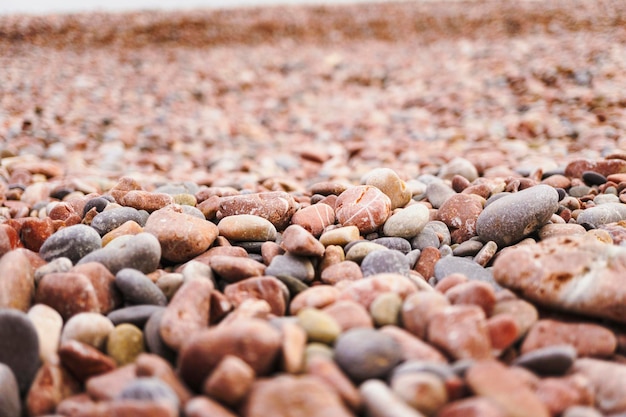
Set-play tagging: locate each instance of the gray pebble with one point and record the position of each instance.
(57, 265)
(438, 192)
(396, 243)
(72, 242)
(468, 248)
(152, 336)
(137, 288)
(365, 353)
(605, 198)
(426, 238)
(413, 257)
(294, 285)
(379, 262)
(149, 389)
(10, 405)
(449, 265)
(602, 214)
(550, 360)
(295, 266)
(99, 203)
(111, 219)
(141, 252)
(441, 229)
(511, 218)
(136, 315)
(19, 346)
(579, 191)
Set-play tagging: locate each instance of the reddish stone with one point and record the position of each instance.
(9, 239)
(317, 296)
(294, 342)
(275, 206)
(342, 271)
(412, 347)
(84, 361)
(477, 293)
(219, 307)
(230, 381)
(35, 231)
(206, 407)
(51, 385)
(266, 288)
(234, 268)
(503, 331)
(103, 281)
(298, 241)
(329, 372)
(17, 283)
(459, 213)
(364, 206)
(418, 309)
(558, 394)
(589, 339)
(472, 407)
(151, 365)
(69, 293)
(450, 281)
(364, 291)
(575, 169)
(461, 332)
(349, 314)
(108, 386)
(425, 265)
(315, 218)
(607, 382)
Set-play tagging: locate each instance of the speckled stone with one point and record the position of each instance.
(68, 293)
(71, 242)
(345, 270)
(235, 268)
(419, 308)
(111, 219)
(513, 217)
(19, 346)
(423, 391)
(388, 261)
(365, 291)
(602, 214)
(247, 228)
(388, 181)
(461, 331)
(588, 339)
(460, 213)
(607, 381)
(267, 288)
(364, 206)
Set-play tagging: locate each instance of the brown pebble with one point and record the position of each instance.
(349, 314)
(318, 296)
(84, 361)
(230, 382)
(298, 241)
(276, 206)
(419, 308)
(234, 268)
(51, 385)
(314, 218)
(266, 288)
(342, 271)
(107, 386)
(477, 293)
(425, 265)
(461, 332)
(365, 207)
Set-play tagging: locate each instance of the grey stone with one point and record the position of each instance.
(19, 346)
(295, 266)
(149, 389)
(550, 360)
(111, 219)
(603, 214)
(10, 405)
(137, 315)
(438, 192)
(379, 262)
(449, 265)
(72, 242)
(137, 288)
(396, 243)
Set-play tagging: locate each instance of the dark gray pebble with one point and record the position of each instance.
(468, 248)
(294, 285)
(72, 242)
(99, 203)
(298, 267)
(395, 243)
(550, 360)
(10, 405)
(111, 219)
(19, 346)
(152, 336)
(593, 178)
(137, 315)
(449, 265)
(384, 261)
(137, 288)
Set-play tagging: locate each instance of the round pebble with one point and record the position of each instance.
(298, 267)
(388, 261)
(125, 343)
(90, 328)
(19, 346)
(137, 288)
(388, 181)
(365, 207)
(385, 309)
(111, 219)
(407, 222)
(72, 242)
(319, 326)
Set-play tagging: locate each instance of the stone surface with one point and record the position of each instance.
(299, 267)
(461, 332)
(137, 288)
(125, 343)
(48, 324)
(246, 227)
(90, 328)
(314, 218)
(84, 361)
(17, 283)
(460, 213)
(277, 206)
(364, 206)
(549, 360)
(572, 273)
(387, 261)
(230, 382)
(380, 401)
(407, 222)
(342, 271)
(513, 217)
(607, 380)
(319, 326)
(587, 338)
(423, 391)
(449, 265)
(388, 181)
(298, 241)
(51, 385)
(71, 242)
(206, 407)
(266, 288)
(10, 404)
(19, 346)
(365, 291)
(108, 220)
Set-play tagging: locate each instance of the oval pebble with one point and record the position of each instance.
(246, 227)
(125, 343)
(407, 222)
(149, 389)
(71, 242)
(550, 360)
(515, 216)
(137, 315)
(48, 323)
(10, 405)
(17, 284)
(388, 261)
(395, 243)
(111, 219)
(19, 346)
(365, 207)
(89, 328)
(438, 192)
(319, 326)
(388, 181)
(381, 401)
(137, 288)
(152, 336)
(602, 214)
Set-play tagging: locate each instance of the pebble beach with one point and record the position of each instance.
(412, 209)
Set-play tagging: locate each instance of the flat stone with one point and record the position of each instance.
(234, 268)
(19, 346)
(340, 236)
(515, 216)
(137, 288)
(364, 206)
(407, 222)
(358, 250)
(247, 228)
(438, 192)
(314, 218)
(587, 338)
(385, 309)
(137, 315)
(605, 167)
(477, 293)
(602, 214)
(389, 261)
(318, 296)
(111, 219)
(318, 325)
(72, 242)
(572, 273)
(394, 243)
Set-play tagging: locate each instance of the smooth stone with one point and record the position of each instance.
(515, 216)
(602, 214)
(276, 206)
(581, 411)
(365, 353)
(84, 361)
(51, 384)
(19, 346)
(294, 342)
(99, 203)
(17, 283)
(486, 254)
(106, 387)
(317, 296)
(606, 199)
(125, 343)
(182, 236)
(389, 261)
(202, 406)
(294, 285)
(150, 365)
(583, 277)
(425, 264)
(69, 293)
(48, 324)
(588, 339)
(314, 218)
(365, 291)
(266, 288)
(388, 181)
(296, 240)
(357, 251)
(423, 391)
(461, 332)
(72, 242)
(295, 266)
(349, 314)
(555, 229)
(329, 372)
(607, 381)
(605, 167)
(426, 239)
(128, 228)
(306, 395)
(235, 268)
(449, 265)
(364, 206)
(468, 248)
(149, 389)
(153, 339)
(141, 252)
(394, 243)
(503, 332)
(460, 213)
(247, 227)
(170, 283)
(103, 282)
(493, 380)
(108, 220)
(385, 309)
(90, 328)
(413, 348)
(342, 271)
(524, 313)
(407, 222)
(188, 312)
(458, 166)
(145, 200)
(319, 326)
(438, 192)
(549, 360)
(10, 404)
(340, 236)
(254, 341)
(137, 288)
(230, 382)
(380, 401)
(477, 293)
(137, 315)
(472, 407)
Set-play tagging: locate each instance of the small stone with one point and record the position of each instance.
(48, 324)
(253, 340)
(230, 382)
(234, 268)
(71, 242)
(385, 309)
(266, 288)
(388, 181)
(306, 394)
(427, 261)
(169, 284)
(125, 343)
(349, 314)
(587, 338)
(461, 331)
(549, 360)
(503, 332)
(57, 265)
(90, 328)
(472, 407)
(524, 313)
(365, 207)
(606, 167)
(380, 401)
(486, 254)
(145, 200)
(295, 266)
(149, 365)
(137, 315)
(364, 291)
(103, 282)
(423, 391)
(458, 166)
(314, 218)
(449, 265)
(19, 347)
(413, 348)
(153, 339)
(556, 229)
(319, 326)
(460, 213)
(246, 228)
(181, 235)
(342, 271)
(17, 283)
(108, 386)
(419, 308)
(318, 296)
(602, 214)
(68, 293)
(493, 380)
(51, 385)
(137, 288)
(187, 312)
(581, 411)
(327, 370)
(394, 243)
(358, 250)
(340, 236)
(84, 361)
(438, 192)
(298, 241)
(34, 232)
(128, 228)
(468, 248)
(388, 261)
(149, 389)
(9, 393)
(111, 219)
(276, 206)
(477, 293)
(515, 216)
(606, 379)
(9, 239)
(366, 353)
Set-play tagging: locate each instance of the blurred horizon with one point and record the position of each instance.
(35, 7)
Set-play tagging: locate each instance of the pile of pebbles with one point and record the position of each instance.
(268, 223)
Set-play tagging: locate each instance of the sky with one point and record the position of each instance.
(72, 6)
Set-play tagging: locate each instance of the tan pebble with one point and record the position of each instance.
(360, 250)
(125, 343)
(128, 228)
(319, 326)
(48, 324)
(340, 236)
(589, 339)
(230, 381)
(385, 309)
(388, 181)
(247, 227)
(424, 391)
(90, 328)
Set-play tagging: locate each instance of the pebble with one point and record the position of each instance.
(461, 332)
(394, 243)
(364, 206)
(234, 268)
(423, 391)
(19, 346)
(472, 407)
(149, 389)
(349, 314)
(477, 293)
(380, 401)
(385, 309)
(125, 343)
(584, 278)
(247, 228)
(513, 217)
(468, 248)
(318, 296)
(344, 270)
(141, 252)
(329, 372)
(254, 341)
(449, 265)
(10, 403)
(92, 329)
(137, 288)
(419, 308)
(388, 181)
(607, 381)
(306, 394)
(84, 361)
(319, 326)
(181, 235)
(460, 213)
(299, 267)
(296, 240)
(72, 242)
(412, 347)
(267, 288)
(388, 261)
(137, 315)
(366, 353)
(438, 192)
(50, 385)
(276, 206)
(340, 236)
(48, 324)
(128, 228)
(549, 360)
(602, 214)
(68, 293)
(18, 281)
(364, 291)
(407, 222)
(230, 382)
(169, 284)
(152, 337)
(315, 218)
(206, 407)
(111, 219)
(587, 338)
(554, 229)
(358, 250)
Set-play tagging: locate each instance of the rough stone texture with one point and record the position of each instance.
(460, 213)
(572, 273)
(513, 217)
